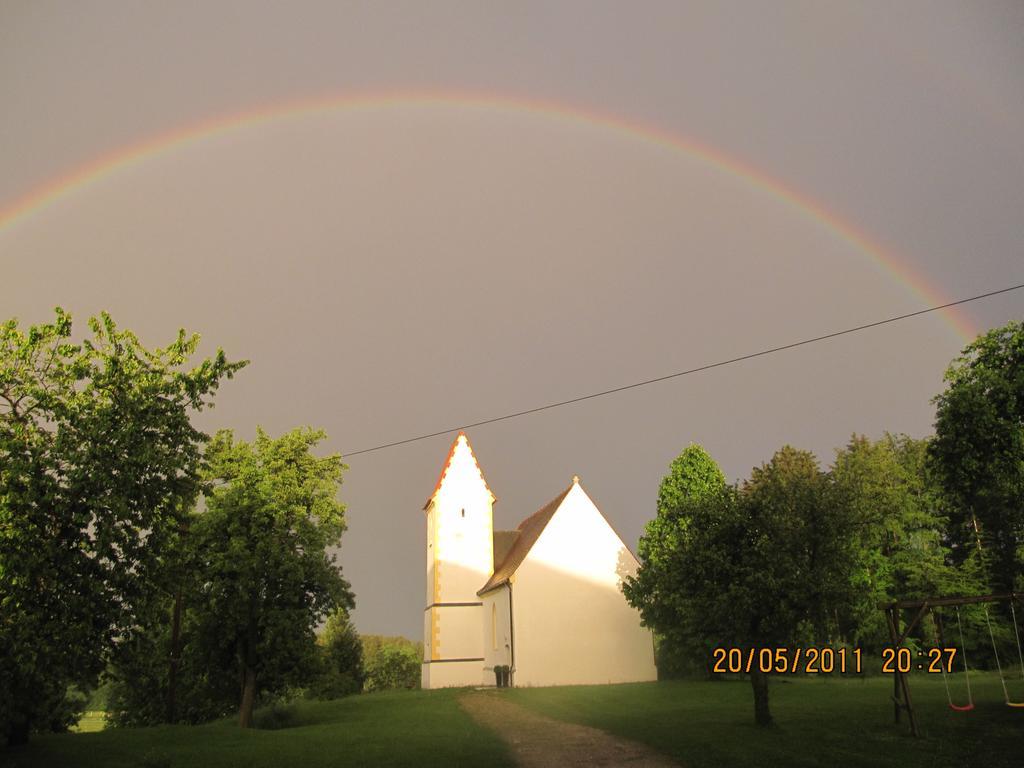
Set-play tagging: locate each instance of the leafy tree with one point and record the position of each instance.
(267, 579)
(165, 674)
(98, 462)
(341, 653)
(810, 555)
(373, 643)
(793, 561)
(765, 566)
(897, 508)
(978, 450)
(138, 676)
(693, 476)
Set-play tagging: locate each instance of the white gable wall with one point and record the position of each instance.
(572, 623)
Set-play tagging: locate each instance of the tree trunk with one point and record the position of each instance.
(172, 671)
(248, 697)
(248, 659)
(759, 682)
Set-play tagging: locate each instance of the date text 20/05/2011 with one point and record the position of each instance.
(826, 660)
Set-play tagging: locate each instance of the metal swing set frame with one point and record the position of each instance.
(901, 685)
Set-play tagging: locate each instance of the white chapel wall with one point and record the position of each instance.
(497, 632)
(572, 623)
(448, 674)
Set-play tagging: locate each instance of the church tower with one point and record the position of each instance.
(460, 559)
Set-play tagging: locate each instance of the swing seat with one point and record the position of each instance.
(1017, 704)
(964, 708)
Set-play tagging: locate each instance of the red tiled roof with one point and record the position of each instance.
(529, 531)
(448, 461)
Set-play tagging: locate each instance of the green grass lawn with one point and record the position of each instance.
(415, 728)
(821, 721)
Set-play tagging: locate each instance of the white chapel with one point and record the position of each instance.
(543, 600)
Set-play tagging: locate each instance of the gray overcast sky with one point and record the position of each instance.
(397, 270)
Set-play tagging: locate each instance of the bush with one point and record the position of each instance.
(275, 717)
(394, 666)
(676, 660)
(333, 684)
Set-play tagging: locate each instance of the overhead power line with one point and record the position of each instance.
(687, 372)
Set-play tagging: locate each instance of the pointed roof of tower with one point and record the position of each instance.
(460, 438)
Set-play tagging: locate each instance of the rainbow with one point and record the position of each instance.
(49, 193)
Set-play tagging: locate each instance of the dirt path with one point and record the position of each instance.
(540, 742)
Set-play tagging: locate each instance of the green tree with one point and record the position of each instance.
(897, 509)
(978, 450)
(809, 552)
(139, 674)
(267, 578)
(341, 653)
(794, 562)
(762, 567)
(98, 463)
(693, 476)
(373, 643)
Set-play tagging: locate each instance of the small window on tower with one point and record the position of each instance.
(463, 513)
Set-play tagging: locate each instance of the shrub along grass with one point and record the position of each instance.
(820, 721)
(408, 728)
